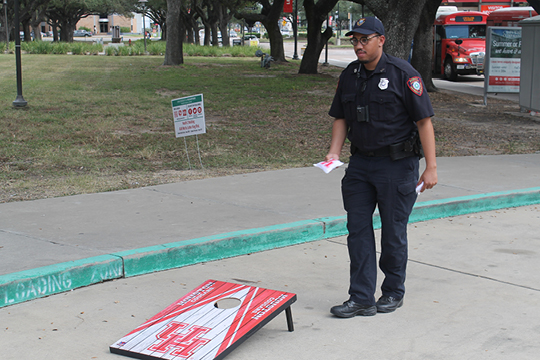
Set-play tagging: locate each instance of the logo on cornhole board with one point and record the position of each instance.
(208, 323)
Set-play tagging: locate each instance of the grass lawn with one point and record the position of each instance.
(101, 123)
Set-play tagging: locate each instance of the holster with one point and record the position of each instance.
(411, 146)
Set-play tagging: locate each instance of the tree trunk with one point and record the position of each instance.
(26, 28)
(315, 44)
(215, 39)
(36, 18)
(56, 36)
(276, 40)
(188, 27)
(423, 44)
(54, 25)
(206, 22)
(269, 17)
(316, 15)
(400, 19)
(164, 31)
(66, 30)
(207, 35)
(37, 32)
(174, 54)
(223, 21)
(192, 21)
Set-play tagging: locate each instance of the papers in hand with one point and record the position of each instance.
(329, 165)
(419, 187)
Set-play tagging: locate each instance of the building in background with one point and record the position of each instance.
(102, 24)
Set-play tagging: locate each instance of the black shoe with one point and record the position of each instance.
(387, 304)
(350, 309)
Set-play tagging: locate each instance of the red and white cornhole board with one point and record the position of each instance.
(193, 327)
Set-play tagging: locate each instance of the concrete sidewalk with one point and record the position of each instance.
(473, 278)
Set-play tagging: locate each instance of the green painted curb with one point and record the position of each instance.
(334, 226)
(182, 253)
(48, 280)
(32, 284)
(438, 209)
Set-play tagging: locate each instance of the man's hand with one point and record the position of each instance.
(331, 156)
(429, 177)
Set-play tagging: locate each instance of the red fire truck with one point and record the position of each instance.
(459, 44)
(510, 16)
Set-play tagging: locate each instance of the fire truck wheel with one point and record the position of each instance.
(450, 70)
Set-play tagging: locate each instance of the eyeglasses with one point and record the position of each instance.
(364, 41)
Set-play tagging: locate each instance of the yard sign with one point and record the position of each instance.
(188, 113)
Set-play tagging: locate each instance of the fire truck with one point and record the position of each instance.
(459, 44)
(510, 16)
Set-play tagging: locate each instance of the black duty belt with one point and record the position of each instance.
(395, 152)
(385, 151)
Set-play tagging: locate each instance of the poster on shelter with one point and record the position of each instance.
(504, 53)
(188, 113)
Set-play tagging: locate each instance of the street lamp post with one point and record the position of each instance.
(295, 30)
(6, 25)
(326, 50)
(338, 22)
(19, 101)
(143, 2)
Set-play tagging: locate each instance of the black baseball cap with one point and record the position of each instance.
(367, 26)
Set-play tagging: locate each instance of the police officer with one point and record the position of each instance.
(381, 106)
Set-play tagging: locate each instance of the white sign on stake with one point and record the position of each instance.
(188, 113)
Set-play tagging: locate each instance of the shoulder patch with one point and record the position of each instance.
(415, 84)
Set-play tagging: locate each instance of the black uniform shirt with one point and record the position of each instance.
(396, 100)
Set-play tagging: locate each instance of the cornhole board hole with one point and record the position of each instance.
(208, 323)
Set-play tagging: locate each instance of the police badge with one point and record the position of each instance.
(383, 84)
(415, 84)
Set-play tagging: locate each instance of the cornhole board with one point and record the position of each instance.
(194, 328)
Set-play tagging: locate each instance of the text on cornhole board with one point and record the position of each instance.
(194, 327)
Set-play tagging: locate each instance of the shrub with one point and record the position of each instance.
(78, 48)
(61, 48)
(37, 47)
(156, 47)
(110, 51)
